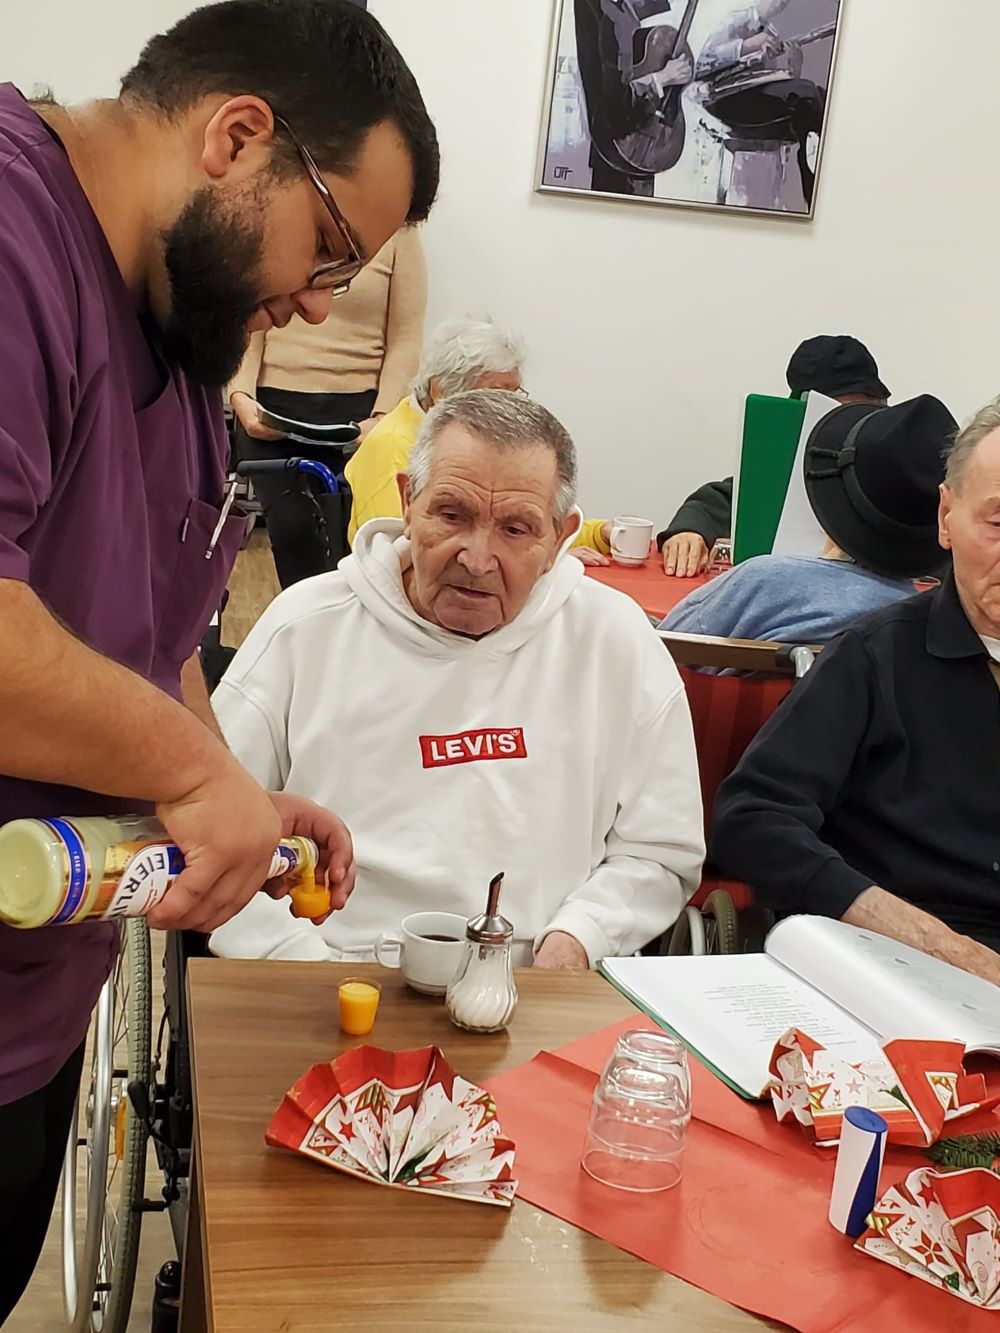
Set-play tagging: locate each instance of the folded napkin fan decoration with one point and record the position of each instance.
(944, 1228)
(916, 1086)
(399, 1118)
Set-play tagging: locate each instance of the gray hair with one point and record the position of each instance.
(984, 423)
(459, 352)
(505, 421)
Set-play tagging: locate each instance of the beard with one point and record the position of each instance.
(212, 256)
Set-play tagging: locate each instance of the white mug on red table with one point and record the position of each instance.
(428, 948)
(630, 540)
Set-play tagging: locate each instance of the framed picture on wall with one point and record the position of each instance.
(704, 103)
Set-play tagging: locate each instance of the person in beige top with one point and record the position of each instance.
(355, 366)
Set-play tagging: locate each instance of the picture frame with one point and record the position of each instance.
(707, 104)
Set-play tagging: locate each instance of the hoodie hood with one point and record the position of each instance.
(374, 573)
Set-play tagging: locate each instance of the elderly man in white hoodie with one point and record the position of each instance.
(470, 702)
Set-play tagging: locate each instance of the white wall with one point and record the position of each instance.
(648, 324)
(80, 48)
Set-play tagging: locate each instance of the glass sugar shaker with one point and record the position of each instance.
(482, 997)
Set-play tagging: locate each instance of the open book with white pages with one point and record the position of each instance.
(850, 989)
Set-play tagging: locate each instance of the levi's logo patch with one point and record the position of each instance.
(469, 747)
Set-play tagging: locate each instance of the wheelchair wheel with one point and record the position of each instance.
(722, 923)
(712, 929)
(100, 1248)
(688, 935)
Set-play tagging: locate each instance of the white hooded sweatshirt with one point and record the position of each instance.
(557, 749)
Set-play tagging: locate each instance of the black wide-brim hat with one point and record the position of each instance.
(872, 476)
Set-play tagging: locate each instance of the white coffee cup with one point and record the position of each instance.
(428, 964)
(630, 540)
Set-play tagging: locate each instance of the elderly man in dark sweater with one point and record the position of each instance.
(871, 795)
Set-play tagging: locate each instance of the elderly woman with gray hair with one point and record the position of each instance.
(461, 354)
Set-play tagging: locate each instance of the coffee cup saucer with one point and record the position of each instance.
(424, 988)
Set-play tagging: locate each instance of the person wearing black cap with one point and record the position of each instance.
(872, 475)
(840, 367)
(870, 795)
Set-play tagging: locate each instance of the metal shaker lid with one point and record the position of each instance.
(491, 927)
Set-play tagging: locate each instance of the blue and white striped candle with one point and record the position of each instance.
(859, 1162)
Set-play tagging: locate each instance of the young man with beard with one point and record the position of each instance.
(257, 155)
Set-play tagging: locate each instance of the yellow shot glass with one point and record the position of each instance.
(358, 1006)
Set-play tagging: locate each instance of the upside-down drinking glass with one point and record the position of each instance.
(639, 1115)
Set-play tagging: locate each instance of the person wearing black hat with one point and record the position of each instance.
(840, 367)
(870, 795)
(872, 475)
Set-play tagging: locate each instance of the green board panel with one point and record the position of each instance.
(771, 430)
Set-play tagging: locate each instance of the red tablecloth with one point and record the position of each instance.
(657, 593)
(748, 1222)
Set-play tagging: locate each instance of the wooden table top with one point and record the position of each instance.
(292, 1246)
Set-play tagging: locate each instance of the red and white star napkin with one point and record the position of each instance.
(399, 1118)
(916, 1086)
(943, 1227)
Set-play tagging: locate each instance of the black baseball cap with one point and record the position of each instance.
(834, 364)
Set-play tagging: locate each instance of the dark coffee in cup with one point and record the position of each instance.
(428, 948)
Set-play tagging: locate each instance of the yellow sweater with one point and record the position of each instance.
(372, 471)
(370, 339)
(385, 452)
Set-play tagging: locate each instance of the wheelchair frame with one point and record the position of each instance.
(134, 1095)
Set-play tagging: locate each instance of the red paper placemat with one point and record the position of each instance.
(748, 1221)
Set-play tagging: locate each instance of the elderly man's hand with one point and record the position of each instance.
(561, 950)
(971, 956)
(885, 914)
(685, 554)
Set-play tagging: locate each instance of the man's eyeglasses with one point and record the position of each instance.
(338, 274)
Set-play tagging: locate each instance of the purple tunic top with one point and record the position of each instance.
(112, 466)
